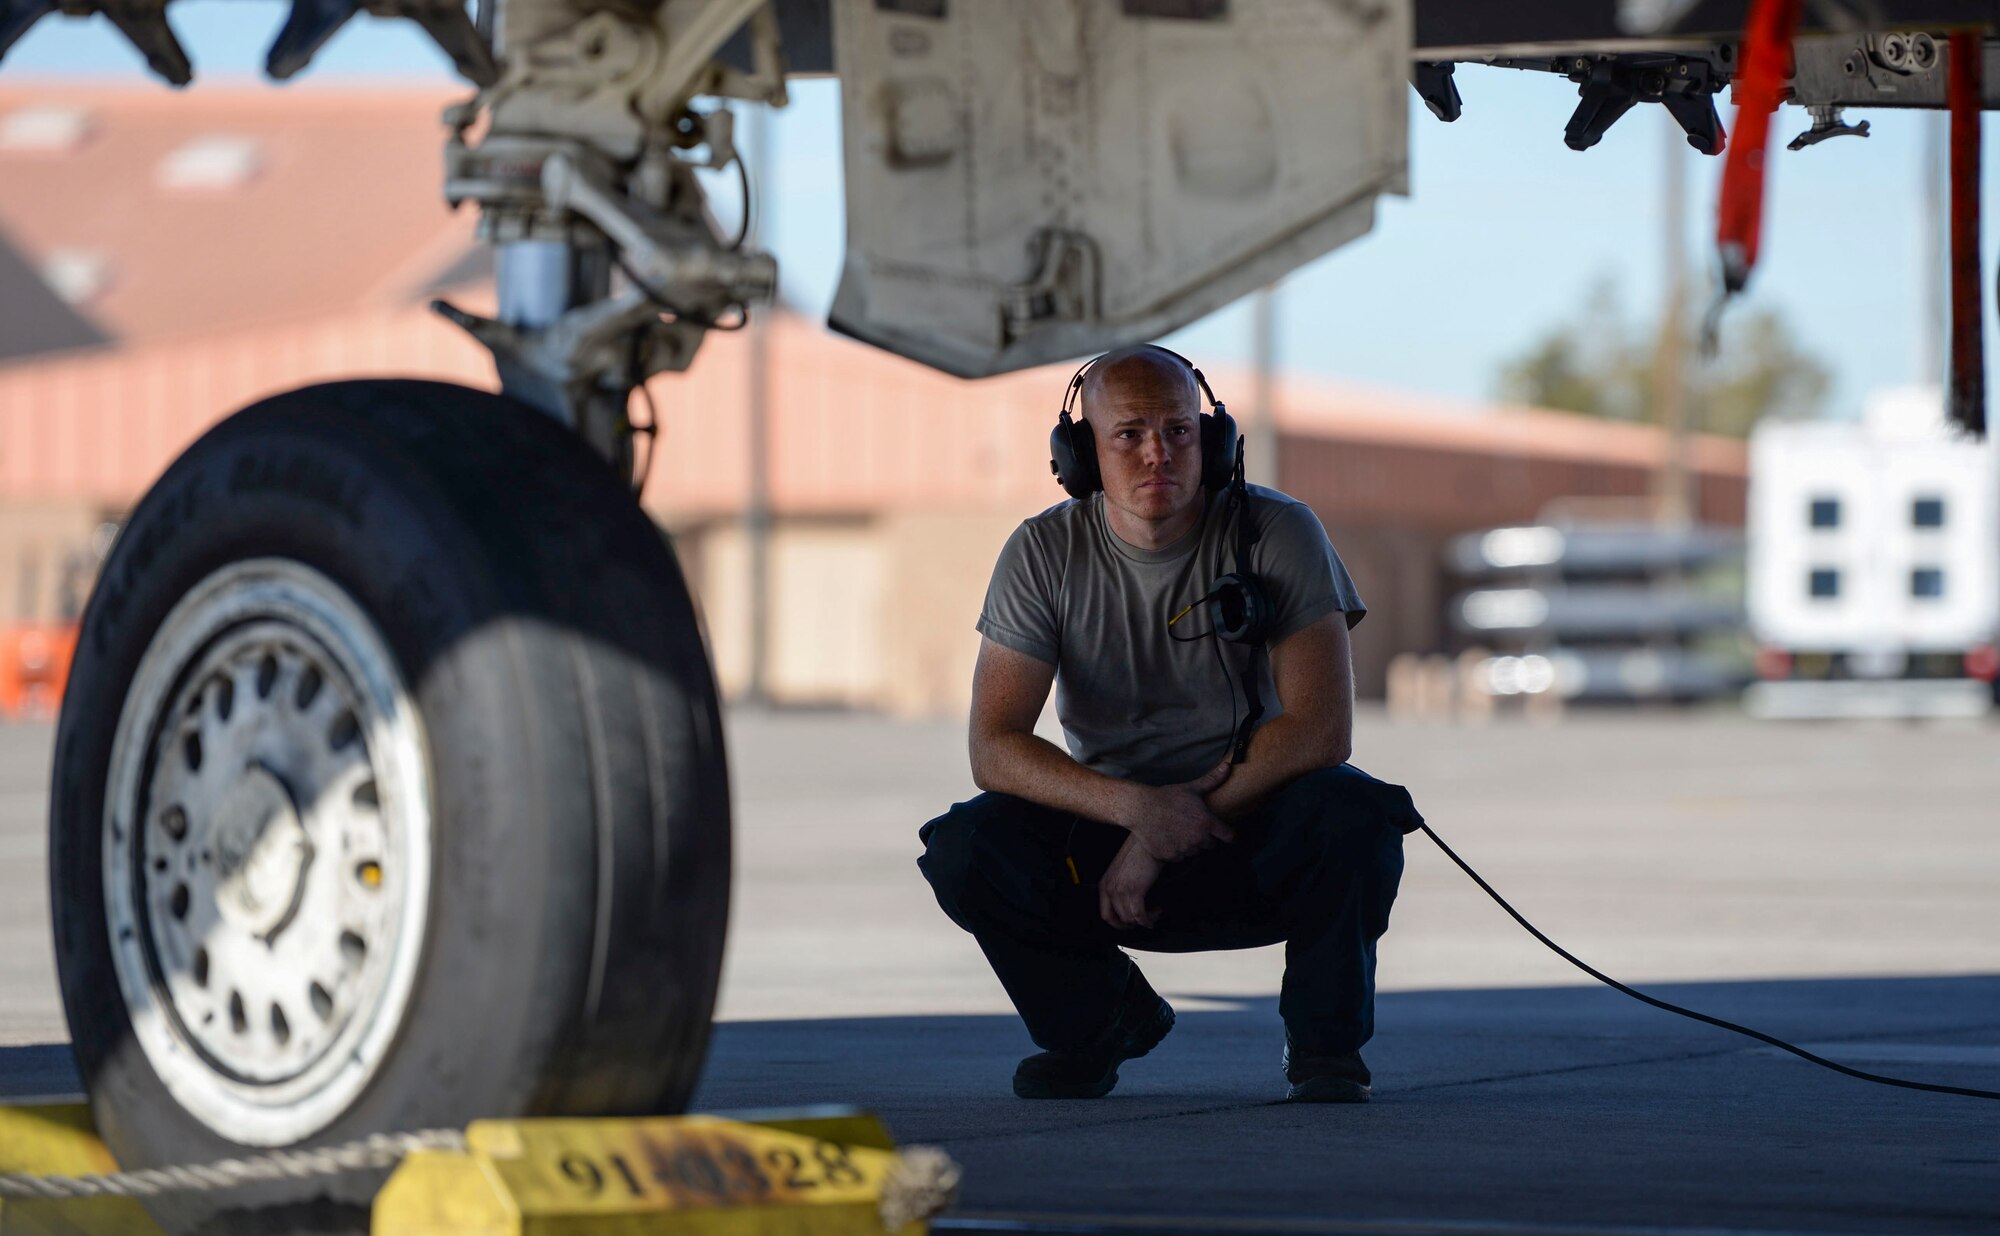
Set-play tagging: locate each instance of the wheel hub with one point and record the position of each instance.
(267, 851)
(262, 853)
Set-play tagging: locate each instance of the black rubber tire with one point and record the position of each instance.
(580, 815)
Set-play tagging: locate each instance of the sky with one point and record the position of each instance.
(1504, 237)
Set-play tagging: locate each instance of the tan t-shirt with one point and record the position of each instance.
(1134, 702)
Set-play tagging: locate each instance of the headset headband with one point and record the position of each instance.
(1073, 396)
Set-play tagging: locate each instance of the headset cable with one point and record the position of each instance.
(1968, 1091)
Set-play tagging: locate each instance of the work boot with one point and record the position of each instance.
(1339, 1078)
(1142, 1020)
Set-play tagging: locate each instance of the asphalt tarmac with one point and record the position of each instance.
(1837, 885)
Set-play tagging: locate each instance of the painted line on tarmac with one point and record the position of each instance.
(1156, 1225)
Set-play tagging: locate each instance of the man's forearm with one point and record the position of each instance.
(1284, 748)
(1034, 768)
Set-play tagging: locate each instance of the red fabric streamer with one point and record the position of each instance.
(1964, 94)
(1764, 63)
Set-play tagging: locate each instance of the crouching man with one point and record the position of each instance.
(1173, 608)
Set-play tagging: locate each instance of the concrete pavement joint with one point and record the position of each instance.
(1573, 1068)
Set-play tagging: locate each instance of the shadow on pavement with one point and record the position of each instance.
(1501, 1110)
(1504, 1110)
(38, 1071)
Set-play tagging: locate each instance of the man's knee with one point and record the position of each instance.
(1344, 797)
(1348, 820)
(962, 846)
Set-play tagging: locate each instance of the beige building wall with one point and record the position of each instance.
(868, 613)
(940, 564)
(48, 560)
(828, 592)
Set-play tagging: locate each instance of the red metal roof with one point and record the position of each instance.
(337, 204)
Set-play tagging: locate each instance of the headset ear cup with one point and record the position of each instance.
(1257, 611)
(1239, 610)
(1073, 455)
(1084, 446)
(1218, 449)
(1062, 460)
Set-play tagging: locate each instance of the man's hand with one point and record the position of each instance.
(1121, 894)
(1171, 821)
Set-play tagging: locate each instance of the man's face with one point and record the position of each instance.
(1147, 426)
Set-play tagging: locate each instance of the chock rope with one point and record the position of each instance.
(383, 1150)
(921, 1184)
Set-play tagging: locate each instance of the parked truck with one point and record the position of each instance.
(1874, 565)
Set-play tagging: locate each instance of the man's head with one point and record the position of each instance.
(1144, 409)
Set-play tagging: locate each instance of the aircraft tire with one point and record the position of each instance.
(389, 793)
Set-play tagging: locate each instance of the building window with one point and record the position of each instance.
(1825, 513)
(1823, 583)
(1927, 513)
(1927, 583)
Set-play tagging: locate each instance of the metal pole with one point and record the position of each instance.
(1672, 503)
(1932, 258)
(1260, 429)
(757, 509)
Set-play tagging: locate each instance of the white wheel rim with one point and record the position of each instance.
(267, 851)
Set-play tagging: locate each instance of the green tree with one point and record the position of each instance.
(1599, 365)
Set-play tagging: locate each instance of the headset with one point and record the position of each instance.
(1073, 447)
(1239, 605)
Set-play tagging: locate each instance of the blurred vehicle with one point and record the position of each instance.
(1605, 612)
(1874, 585)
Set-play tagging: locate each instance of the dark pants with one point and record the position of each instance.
(1315, 866)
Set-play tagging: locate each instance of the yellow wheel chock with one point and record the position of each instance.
(60, 1139)
(821, 1172)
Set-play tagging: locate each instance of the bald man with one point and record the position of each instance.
(1143, 834)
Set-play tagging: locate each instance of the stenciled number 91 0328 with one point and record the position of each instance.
(717, 1169)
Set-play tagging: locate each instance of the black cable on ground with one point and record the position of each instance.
(1759, 1035)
